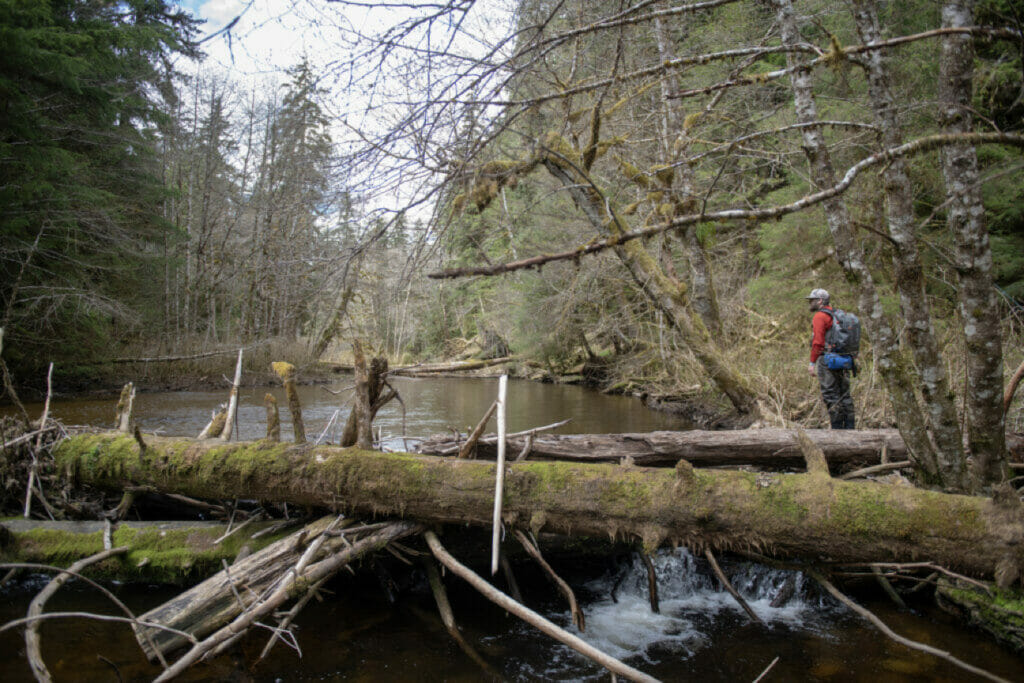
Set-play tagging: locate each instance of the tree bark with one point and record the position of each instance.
(894, 368)
(366, 402)
(207, 606)
(766, 448)
(667, 294)
(674, 135)
(793, 515)
(909, 271)
(979, 307)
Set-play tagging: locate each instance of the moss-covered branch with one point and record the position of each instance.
(788, 515)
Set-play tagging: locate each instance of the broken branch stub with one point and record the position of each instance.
(286, 371)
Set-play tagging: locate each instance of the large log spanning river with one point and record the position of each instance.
(378, 628)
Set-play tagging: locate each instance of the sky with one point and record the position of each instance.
(272, 35)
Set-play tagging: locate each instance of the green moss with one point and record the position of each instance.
(174, 556)
(999, 612)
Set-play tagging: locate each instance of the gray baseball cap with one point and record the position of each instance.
(818, 294)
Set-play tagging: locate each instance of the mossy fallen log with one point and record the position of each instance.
(998, 612)
(161, 552)
(787, 515)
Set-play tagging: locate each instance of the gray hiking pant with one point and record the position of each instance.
(835, 391)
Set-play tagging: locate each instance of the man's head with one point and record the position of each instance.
(817, 298)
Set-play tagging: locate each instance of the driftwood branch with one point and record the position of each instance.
(466, 451)
(533, 551)
(32, 639)
(39, 442)
(875, 469)
(310, 573)
(444, 608)
(728, 586)
(531, 617)
(232, 412)
(881, 626)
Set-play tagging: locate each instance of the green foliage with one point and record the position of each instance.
(79, 187)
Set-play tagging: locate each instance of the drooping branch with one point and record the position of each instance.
(919, 146)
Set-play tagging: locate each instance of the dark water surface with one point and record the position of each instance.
(432, 406)
(356, 634)
(364, 632)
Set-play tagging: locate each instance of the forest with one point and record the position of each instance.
(632, 195)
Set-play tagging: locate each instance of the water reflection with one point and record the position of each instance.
(431, 406)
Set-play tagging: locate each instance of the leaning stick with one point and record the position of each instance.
(881, 626)
(287, 619)
(492, 439)
(529, 616)
(24, 437)
(126, 408)
(444, 607)
(1011, 387)
(39, 443)
(467, 448)
(33, 641)
(534, 552)
(652, 583)
(728, 586)
(499, 476)
(232, 414)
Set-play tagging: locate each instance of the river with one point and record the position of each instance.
(366, 632)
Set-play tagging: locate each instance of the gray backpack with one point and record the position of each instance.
(844, 335)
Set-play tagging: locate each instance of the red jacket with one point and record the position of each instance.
(820, 324)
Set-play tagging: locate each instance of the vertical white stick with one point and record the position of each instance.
(39, 440)
(499, 477)
(232, 415)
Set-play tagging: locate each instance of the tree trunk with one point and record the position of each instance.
(899, 200)
(793, 515)
(894, 368)
(674, 135)
(965, 217)
(763, 448)
(369, 385)
(667, 294)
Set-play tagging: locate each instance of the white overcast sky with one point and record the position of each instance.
(273, 35)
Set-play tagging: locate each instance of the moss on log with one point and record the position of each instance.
(161, 552)
(787, 515)
(998, 612)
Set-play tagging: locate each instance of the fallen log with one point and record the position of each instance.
(209, 605)
(455, 366)
(161, 552)
(769, 448)
(787, 515)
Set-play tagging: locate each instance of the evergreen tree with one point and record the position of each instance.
(82, 84)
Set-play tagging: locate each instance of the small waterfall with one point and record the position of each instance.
(693, 607)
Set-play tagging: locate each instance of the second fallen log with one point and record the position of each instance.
(844, 449)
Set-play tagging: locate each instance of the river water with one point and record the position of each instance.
(383, 625)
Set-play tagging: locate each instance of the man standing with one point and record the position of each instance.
(835, 384)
